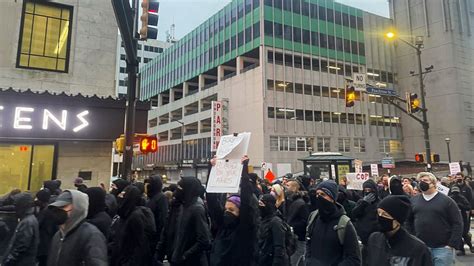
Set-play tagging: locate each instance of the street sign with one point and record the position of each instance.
(359, 81)
(383, 92)
(388, 163)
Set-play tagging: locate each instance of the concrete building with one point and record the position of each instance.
(447, 28)
(280, 68)
(57, 73)
(146, 52)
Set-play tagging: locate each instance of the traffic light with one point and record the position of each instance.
(350, 96)
(120, 144)
(149, 19)
(435, 158)
(419, 158)
(148, 144)
(413, 103)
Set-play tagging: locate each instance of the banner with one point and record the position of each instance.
(216, 124)
(225, 175)
(355, 180)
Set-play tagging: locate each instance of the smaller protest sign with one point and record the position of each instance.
(355, 180)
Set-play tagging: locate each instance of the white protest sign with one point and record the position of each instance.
(374, 169)
(454, 168)
(355, 180)
(358, 166)
(225, 175)
(442, 189)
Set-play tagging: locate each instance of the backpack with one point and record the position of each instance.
(340, 228)
(290, 238)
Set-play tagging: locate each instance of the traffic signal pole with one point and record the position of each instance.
(425, 123)
(127, 18)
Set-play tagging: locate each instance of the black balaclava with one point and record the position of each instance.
(270, 205)
(341, 195)
(372, 185)
(121, 185)
(155, 185)
(131, 199)
(23, 204)
(96, 201)
(191, 189)
(396, 187)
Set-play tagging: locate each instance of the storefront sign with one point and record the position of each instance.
(23, 119)
(43, 116)
(216, 125)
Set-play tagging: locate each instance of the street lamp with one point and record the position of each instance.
(391, 35)
(182, 137)
(449, 151)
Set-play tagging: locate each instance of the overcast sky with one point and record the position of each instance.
(187, 14)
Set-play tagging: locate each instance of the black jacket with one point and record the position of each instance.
(96, 214)
(78, 243)
(271, 242)
(102, 221)
(465, 207)
(234, 246)
(323, 246)
(47, 229)
(192, 237)
(167, 238)
(129, 243)
(402, 247)
(365, 214)
(158, 204)
(297, 214)
(24, 243)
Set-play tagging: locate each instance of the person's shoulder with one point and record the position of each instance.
(376, 237)
(88, 230)
(416, 244)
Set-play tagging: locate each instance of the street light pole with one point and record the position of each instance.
(449, 151)
(418, 46)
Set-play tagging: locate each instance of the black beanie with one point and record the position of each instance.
(397, 206)
(268, 200)
(329, 187)
(43, 195)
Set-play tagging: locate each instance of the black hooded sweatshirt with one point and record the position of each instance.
(297, 213)
(129, 243)
(24, 243)
(235, 244)
(365, 214)
(158, 204)
(192, 237)
(96, 214)
(54, 188)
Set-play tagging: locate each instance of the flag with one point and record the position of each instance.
(269, 175)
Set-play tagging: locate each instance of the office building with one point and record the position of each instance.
(447, 31)
(280, 68)
(146, 51)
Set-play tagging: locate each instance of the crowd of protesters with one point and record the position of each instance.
(290, 221)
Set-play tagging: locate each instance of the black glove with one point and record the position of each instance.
(369, 198)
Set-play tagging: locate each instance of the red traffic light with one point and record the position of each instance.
(148, 144)
(419, 158)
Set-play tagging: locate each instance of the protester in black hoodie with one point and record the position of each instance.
(396, 186)
(326, 245)
(54, 188)
(192, 237)
(297, 215)
(24, 244)
(271, 235)
(167, 238)
(235, 218)
(47, 227)
(96, 214)
(393, 245)
(158, 204)
(342, 199)
(111, 204)
(365, 213)
(130, 244)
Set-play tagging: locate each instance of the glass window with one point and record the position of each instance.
(323, 40)
(278, 30)
(292, 145)
(308, 114)
(45, 36)
(384, 146)
(344, 144)
(301, 144)
(306, 37)
(268, 28)
(296, 34)
(337, 18)
(271, 112)
(322, 12)
(273, 143)
(283, 143)
(248, 34)
(359, 145)
(256, 30)
(324, 144)
(288, 30)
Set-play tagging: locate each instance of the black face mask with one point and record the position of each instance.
(326, 208)
(230, 220)
(385, 224)
(424, 186)
(58, 216)
(366, 193)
